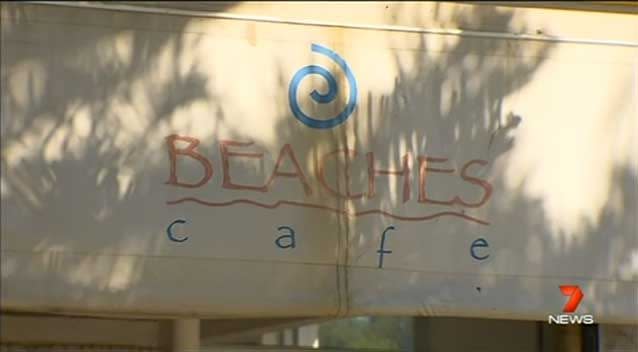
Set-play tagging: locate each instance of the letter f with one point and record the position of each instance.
(382, 250)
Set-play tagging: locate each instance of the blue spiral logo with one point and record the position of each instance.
(323, 98)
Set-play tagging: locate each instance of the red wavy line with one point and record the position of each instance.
(323, 207)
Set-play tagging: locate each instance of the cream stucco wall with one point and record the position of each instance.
(90, 95)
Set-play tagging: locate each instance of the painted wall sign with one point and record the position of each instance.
(414, 180)
(166, 165)
(327, 97)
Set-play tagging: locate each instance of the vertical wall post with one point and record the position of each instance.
(186, 335)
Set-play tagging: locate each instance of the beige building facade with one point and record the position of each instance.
(202, 175)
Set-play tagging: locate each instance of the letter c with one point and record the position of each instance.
(171, 235)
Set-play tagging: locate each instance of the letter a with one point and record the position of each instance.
(290, 236)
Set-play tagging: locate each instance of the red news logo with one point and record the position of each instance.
(575, 295)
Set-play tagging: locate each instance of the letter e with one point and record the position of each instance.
(479, 243)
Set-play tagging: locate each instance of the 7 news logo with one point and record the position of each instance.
(575, 296)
